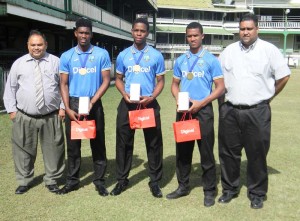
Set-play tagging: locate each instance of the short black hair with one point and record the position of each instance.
(250, 17)
(83, 22)
(37, 32)
(141, 20)
(194, 25)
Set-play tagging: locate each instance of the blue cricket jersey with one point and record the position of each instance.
(151, 65)
(86, 83)
(205, 71)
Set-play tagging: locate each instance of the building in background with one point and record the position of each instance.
(279, 23)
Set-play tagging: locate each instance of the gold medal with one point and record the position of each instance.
(82, 71)
(136, 68)
(190, 76)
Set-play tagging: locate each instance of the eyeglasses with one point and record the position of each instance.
(248, 29)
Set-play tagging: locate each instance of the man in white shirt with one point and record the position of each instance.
(254, 73)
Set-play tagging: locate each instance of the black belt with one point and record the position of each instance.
(245, 107)
(38, 116)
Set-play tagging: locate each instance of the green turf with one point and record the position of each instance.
(137, 203)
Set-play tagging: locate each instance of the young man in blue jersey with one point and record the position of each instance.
(144, 65)
(195, 72)
(85, 72)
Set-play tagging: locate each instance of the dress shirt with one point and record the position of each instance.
(250, 74)
(20, 86)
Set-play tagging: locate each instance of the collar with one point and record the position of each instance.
(251, 47)
(45, 57)
(89, 51)
(135, 50)
(199, 54)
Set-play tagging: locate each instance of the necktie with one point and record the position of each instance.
(39, 100)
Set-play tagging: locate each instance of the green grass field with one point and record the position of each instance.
(137, 203)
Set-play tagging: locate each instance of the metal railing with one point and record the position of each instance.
(181, 48)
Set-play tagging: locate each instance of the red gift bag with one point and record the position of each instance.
(186, 130)
(141, 118)
(85, 129)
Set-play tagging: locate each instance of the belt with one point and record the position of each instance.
(245, 107)
(38, 116)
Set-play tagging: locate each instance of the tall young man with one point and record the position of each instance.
(85, 72)
(195, 72)
(144, 65)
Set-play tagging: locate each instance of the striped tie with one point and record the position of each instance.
(39, 100)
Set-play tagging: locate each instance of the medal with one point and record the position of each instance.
(190, 76)
(136, 68)
(82, 71)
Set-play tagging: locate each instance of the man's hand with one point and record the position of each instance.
(72, 115)
(196, 106)
(12, 115)
(62, 114)
(145, 100)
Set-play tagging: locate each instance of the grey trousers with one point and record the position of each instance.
(25, 133)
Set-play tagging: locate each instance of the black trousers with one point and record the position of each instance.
(125, 142)
(97, 146)
(248, 128)
(184, 153)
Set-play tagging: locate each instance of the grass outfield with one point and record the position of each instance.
(137, 203)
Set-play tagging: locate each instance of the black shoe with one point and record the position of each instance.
(180, 192)
(257, 203)
(21, 189)
(101, 190)
(53, 188)
(227, 197)
(209, 201)
(119, 188)
(67, 188)
(155, 190)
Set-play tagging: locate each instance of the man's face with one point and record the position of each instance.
(139, 33)
(248, 32)
(37, 46)
(84, 36)
(194, 38)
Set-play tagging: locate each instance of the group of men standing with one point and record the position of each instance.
(42, 90)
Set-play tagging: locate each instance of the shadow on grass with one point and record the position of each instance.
(169, 168)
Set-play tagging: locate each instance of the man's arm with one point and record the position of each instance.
(121, 88)
(10, 91)
(217, 92)
(64, 90)
(160, 83)
(175, 88)
(102, 89)
(280, 84)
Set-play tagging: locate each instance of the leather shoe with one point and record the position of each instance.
(119, 188)
(257, 203)
(101, 190)
(67, 188)
(52, 188)
(227, 197)
(179, 192)
(209, 201)
(21, 189)
(156, 192)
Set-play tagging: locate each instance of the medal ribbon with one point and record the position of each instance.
(137, 61)
(188, 63)
(83, 63)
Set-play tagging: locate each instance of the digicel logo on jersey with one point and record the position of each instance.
(142, 69)
(87, 70)
(196, 74)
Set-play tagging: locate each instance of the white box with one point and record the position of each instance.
(135, 92)
(84, 105)
(183, 101)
